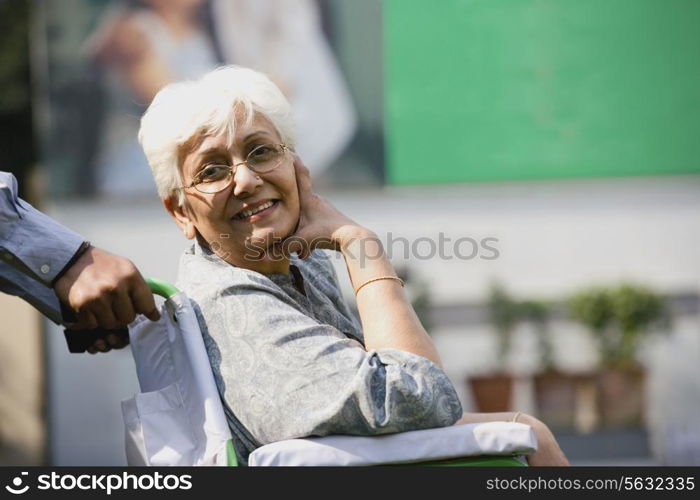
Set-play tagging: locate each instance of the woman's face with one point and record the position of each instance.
(219, 218)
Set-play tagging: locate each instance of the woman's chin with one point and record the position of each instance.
(274, 233)
(262, 240)
(266, 236)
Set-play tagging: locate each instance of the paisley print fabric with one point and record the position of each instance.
(289, 360)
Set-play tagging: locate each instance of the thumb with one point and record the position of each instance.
(142, 300)
(153, 314)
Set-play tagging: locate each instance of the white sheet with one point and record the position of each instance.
(491, 438)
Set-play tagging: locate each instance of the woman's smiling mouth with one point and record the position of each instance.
(258, 211)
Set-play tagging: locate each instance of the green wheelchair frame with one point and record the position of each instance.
(166, 290)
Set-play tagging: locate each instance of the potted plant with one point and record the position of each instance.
(555, 391)
(618, 318)
(494, 392)
(562, 399)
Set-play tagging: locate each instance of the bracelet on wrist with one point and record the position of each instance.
(84, 247)
(396, 278)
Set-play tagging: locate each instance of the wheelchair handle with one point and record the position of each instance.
(162, 288)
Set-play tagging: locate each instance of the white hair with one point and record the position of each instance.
(186, 110)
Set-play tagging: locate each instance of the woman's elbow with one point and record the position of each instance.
(424, 406)
(402, 393)
(442, 409)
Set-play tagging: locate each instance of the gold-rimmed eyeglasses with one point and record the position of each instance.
(217, 177)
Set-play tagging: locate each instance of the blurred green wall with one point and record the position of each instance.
(524, 89)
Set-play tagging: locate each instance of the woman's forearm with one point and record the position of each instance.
(388, 319)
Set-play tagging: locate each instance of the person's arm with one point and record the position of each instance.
(388, 318)
(31, 242)
(104, 290)
(40, 297)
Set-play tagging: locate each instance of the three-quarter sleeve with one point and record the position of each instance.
(283, 374)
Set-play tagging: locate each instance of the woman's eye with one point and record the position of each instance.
(261, 152)
(213, 173)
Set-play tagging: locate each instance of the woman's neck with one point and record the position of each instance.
(273, 261)
(268, 267)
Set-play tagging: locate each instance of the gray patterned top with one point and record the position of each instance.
(288, 357)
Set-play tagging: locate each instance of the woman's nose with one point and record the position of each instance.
(245, 181)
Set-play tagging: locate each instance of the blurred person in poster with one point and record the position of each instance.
(142, 46)
(145, 44)
(283, 39)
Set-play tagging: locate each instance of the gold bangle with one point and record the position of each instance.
(377, 279)
(515, 417)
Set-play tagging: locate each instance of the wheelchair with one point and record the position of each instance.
(178, 418)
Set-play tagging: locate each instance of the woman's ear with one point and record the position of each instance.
(181, 216)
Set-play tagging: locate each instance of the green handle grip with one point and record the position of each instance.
(165, 290)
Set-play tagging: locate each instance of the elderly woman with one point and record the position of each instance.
(289, 358)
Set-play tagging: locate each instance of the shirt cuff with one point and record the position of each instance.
(38, 246)
(83, 248)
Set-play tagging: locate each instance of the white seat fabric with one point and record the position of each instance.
(490, 438)
(178, 419)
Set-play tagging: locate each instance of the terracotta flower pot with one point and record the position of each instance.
(492, 393)
(566, 401)
(622, 397)
(555, 397)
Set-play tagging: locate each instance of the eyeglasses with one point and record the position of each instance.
(214, 178)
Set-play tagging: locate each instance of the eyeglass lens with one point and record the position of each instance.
(216, 178)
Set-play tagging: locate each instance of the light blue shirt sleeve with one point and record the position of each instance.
(34, 248)
(41, 297)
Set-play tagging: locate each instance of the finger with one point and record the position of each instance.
(99, 345)
(122, 307)
(86, 321)
(142, 299)
(103, 312)
(116, 341)
(303, 176)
